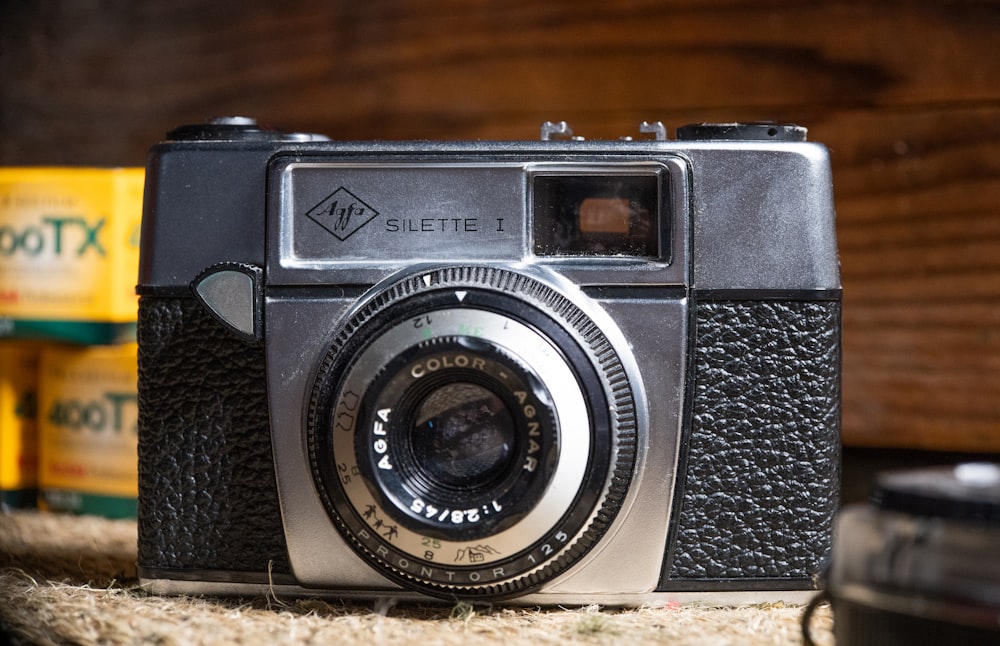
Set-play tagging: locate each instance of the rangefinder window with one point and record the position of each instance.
(596, 215)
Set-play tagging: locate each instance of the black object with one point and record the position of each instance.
(919, 563)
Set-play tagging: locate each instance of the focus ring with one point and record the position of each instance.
(605, 469)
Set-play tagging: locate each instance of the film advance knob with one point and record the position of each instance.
(742, 131)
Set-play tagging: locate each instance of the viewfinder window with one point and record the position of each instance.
(596, 215)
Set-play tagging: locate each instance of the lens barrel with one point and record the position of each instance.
(471, 432)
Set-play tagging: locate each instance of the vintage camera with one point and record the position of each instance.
(918, 564)
(559, 371)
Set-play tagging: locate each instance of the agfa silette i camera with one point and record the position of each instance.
(560, 371)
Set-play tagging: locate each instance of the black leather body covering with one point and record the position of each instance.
(207, 493)
(760, 471)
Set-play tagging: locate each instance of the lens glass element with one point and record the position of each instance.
(463, 436)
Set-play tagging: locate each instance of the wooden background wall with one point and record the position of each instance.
(905, 93)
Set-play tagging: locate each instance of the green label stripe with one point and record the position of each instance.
(92, 504)
(85, 332)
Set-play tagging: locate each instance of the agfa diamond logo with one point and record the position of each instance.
(342, 213)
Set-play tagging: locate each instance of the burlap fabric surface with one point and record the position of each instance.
(72, 580)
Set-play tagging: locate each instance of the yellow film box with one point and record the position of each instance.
(18, 423)
(69, 253)
(87, 429)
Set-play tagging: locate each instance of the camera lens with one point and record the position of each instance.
(471, 432)
(463, 436)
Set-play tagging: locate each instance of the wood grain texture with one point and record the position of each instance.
(906, 94)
